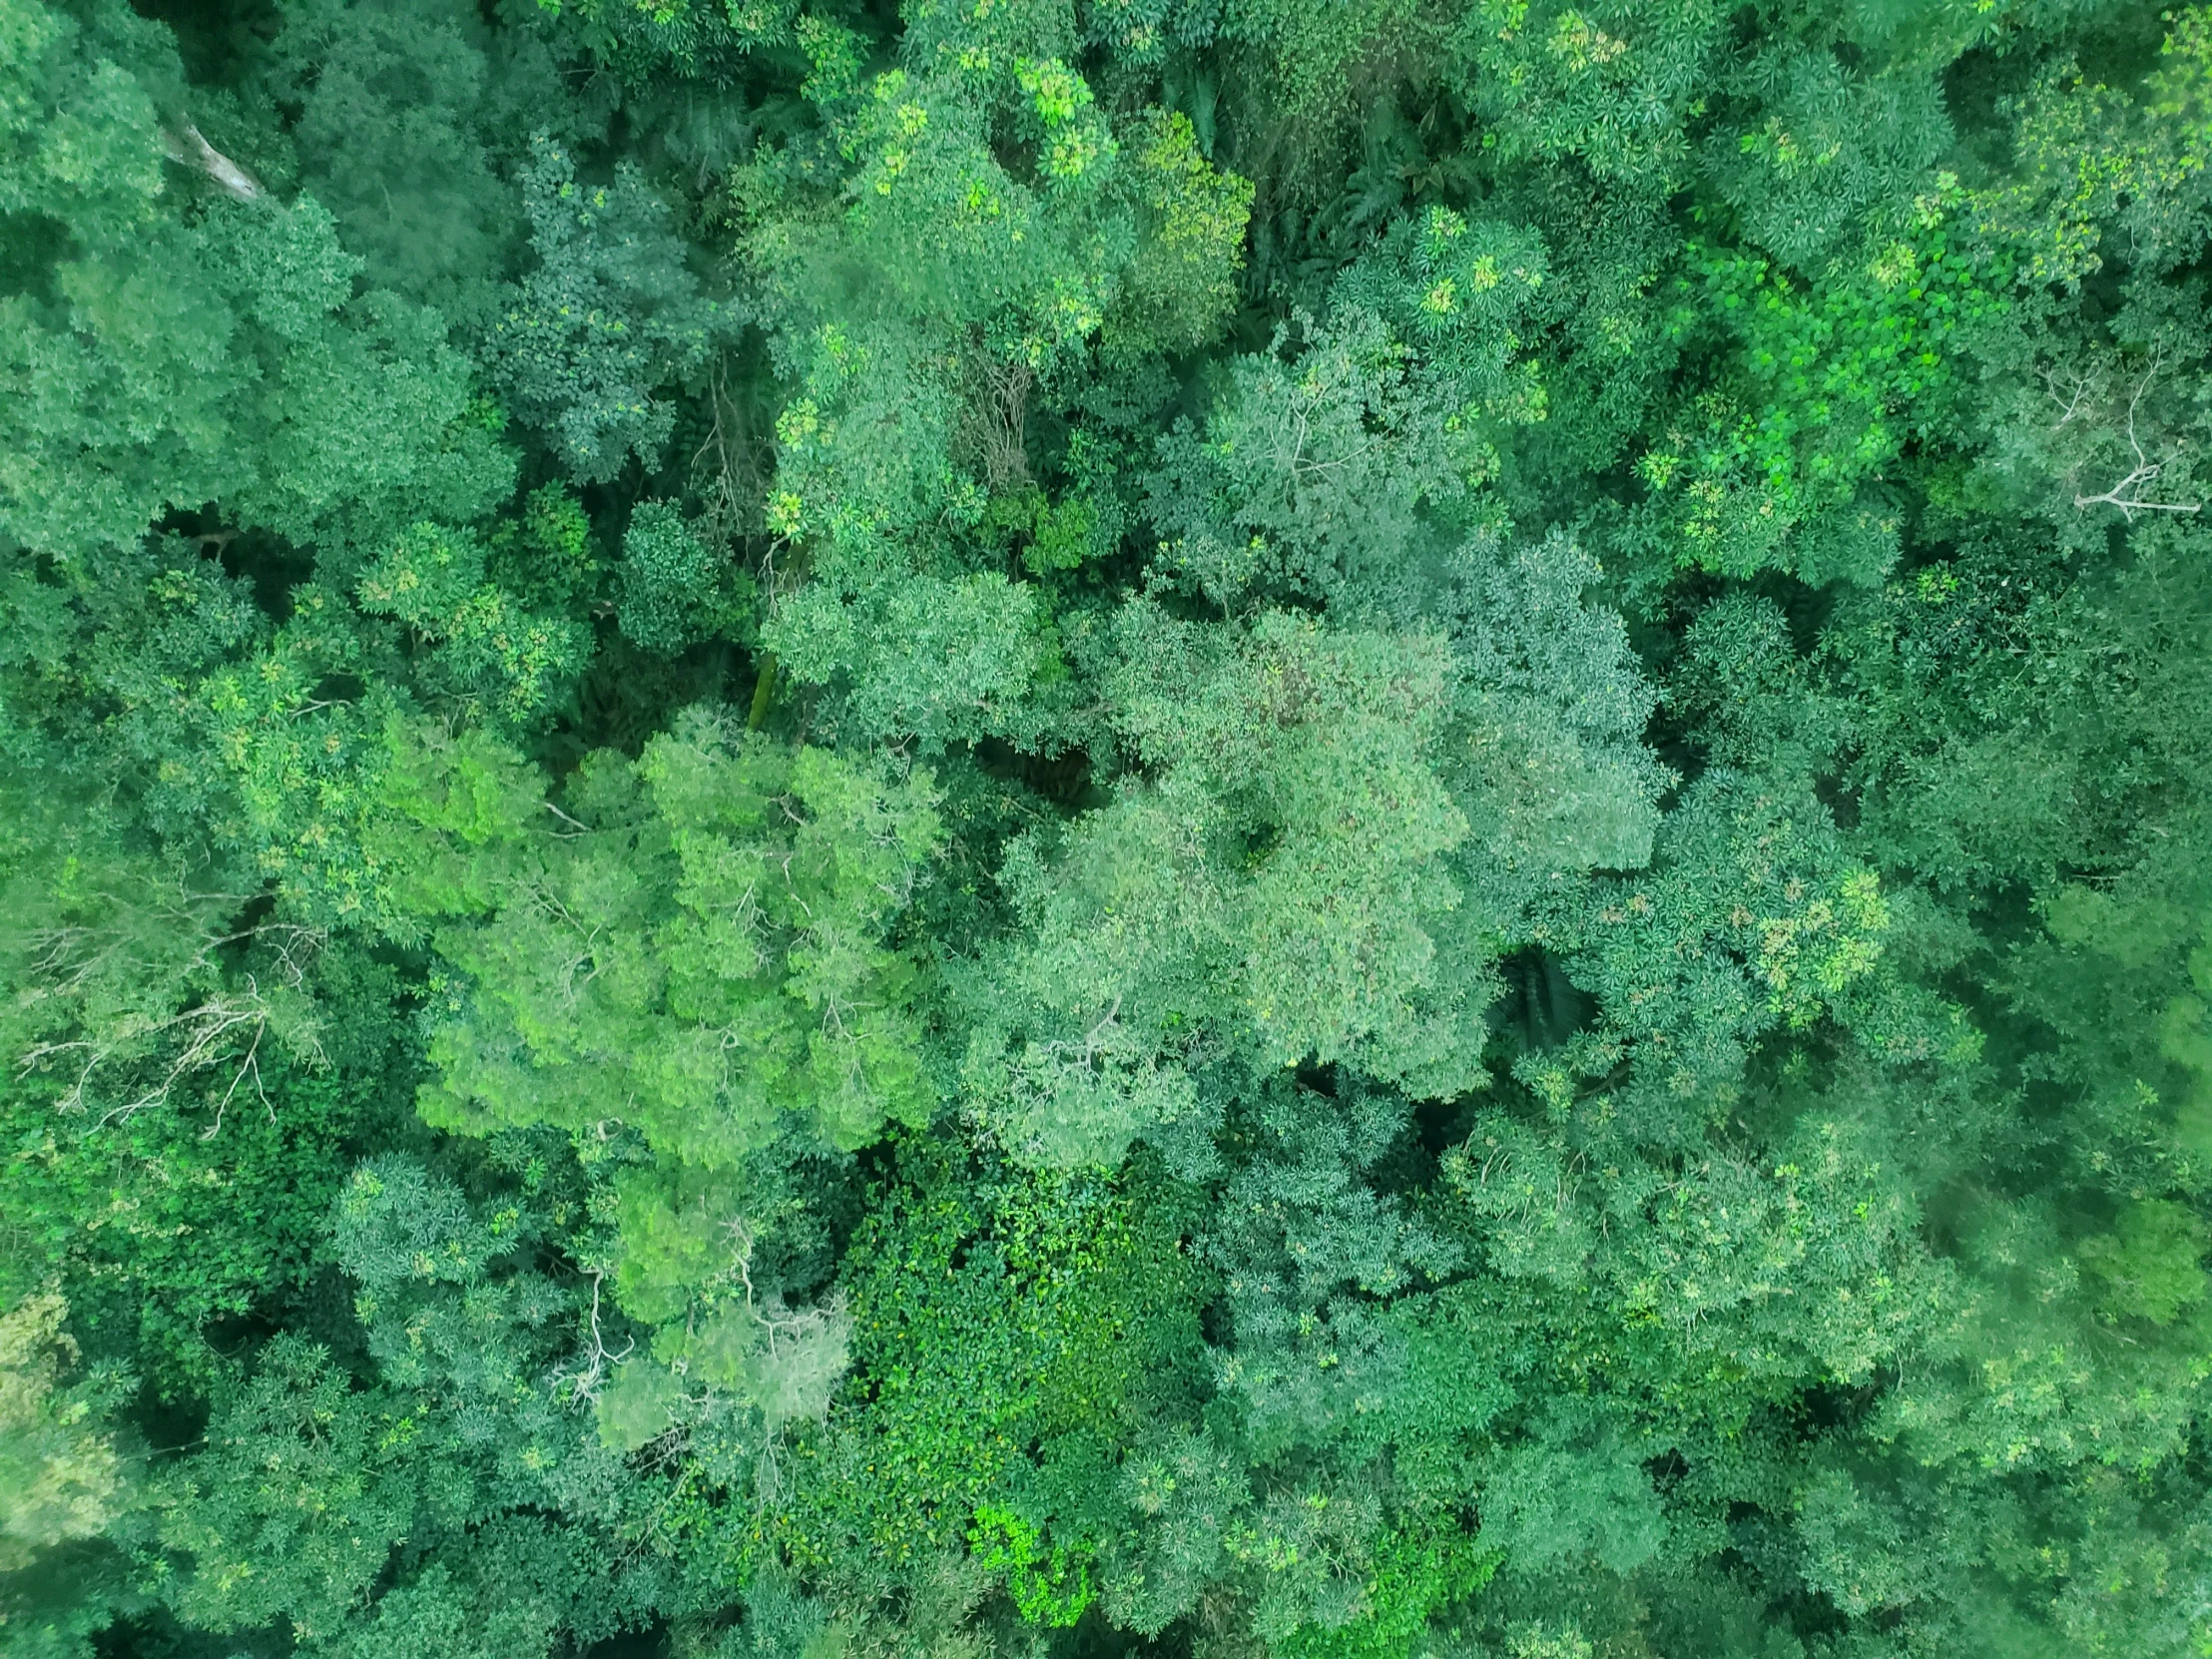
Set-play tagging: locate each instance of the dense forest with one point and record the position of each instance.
(1074, 828)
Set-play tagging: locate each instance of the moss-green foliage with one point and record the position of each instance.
(611, 315)
(405, 121)
(67, 1482)
(64, 1478)
(995, 828)
(675, 589)
(459, 1486)
(176, 345)
(696, 956)
(993, 1325)
(489, 657)
(1827, 387)
(173, 1218)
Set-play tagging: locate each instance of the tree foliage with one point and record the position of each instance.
(1007, 828)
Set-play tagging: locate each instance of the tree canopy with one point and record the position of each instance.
(1073, 828)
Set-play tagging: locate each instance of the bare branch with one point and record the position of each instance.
(576, 826)
(2146, 470)
(2070, 406)
(583, 1384)
(188, 149)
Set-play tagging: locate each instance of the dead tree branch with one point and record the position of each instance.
(187, 149)
(2127, 494)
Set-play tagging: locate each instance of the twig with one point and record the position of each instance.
(2145, 469)
(585, 1384)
